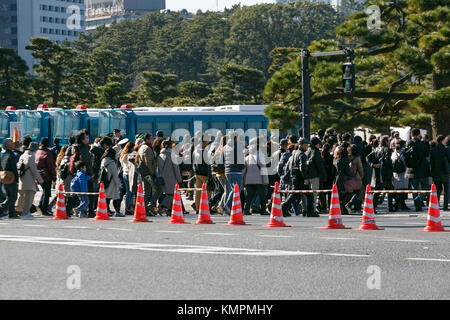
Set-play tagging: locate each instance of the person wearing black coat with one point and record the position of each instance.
(316, 168)
(439, 160)
(8, 163)
(342, 166)
(299, 175)
(381, 160)
(418, 175)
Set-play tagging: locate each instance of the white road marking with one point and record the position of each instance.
(35, 225)
(345, 255)
(220, 234)
(406, 240)
(169, 231)
(118, 229)
(429, 259)
(274, 236)
(163, 247)
(4, 222)
(75, 227)
(336, 238)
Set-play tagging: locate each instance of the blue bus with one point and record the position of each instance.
(63, 123)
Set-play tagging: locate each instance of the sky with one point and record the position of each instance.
(204, 5)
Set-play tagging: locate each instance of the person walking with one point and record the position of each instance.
(316, 170)
(256, 179)
(357, 172)
(298, 169)
(439, 160)
(127, 170)
(46, 168)
(27, 181)
(416, 154)
(80, 184)
(171, 174)
(146, 165)
(399, 171)
(9, 178)
(343, 173)
(110, 177)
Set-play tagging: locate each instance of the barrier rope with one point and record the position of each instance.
(81, 193)
(399, 191)
(305, 191)
(190, 189)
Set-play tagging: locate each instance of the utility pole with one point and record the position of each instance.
(306, 87)
(306, 91)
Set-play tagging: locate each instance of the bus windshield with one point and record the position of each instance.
(31, 123)
(67, 123)
(110, 120)
(4, 125)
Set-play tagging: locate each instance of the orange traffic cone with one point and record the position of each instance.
(60, 213)
(236, 217)
(204, 216)
(276, 214)
(434, 223)
(177, 208)
(140, 214)
(102, 211)
(368, 218)
(335, 218)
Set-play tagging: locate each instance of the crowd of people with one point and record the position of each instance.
(221, 162)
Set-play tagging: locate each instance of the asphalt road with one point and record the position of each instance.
(84, 259)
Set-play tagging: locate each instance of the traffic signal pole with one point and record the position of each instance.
(306, 92)
(305, 109)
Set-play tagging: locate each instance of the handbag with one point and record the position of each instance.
(351, 184)
(7, 177)
(159, 180)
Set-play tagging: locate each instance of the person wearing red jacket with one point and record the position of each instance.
(46, 168)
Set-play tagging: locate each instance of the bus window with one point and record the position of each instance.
(144, 127)
(255, 125)
(165, 127)
(119, 121)
(237, 125)
(66, 124)
(31, 123)
(4, 125)
(110, 120)
(222, 126)
(181, 125)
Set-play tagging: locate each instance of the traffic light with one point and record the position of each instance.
(348, 77)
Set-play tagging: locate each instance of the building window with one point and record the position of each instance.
(69, 33)
(63, 21)
(44, 7)
(57, 20)
(50, 8)
(57, 9)
(50, 19)
(63, 32)
(44, 30)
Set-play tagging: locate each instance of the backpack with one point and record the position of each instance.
(398, 166)
(63, 170)
(411, 159)
(21, 169)
(73, 159)
(104, 178)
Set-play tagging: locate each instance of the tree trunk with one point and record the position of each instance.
(440, 124)
(440, 121)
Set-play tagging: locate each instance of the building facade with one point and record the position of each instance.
(57, 20)
(106, 12)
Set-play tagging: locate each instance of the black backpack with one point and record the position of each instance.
(63, 170)
(411, 159)
(104, 178)
(398, 166)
